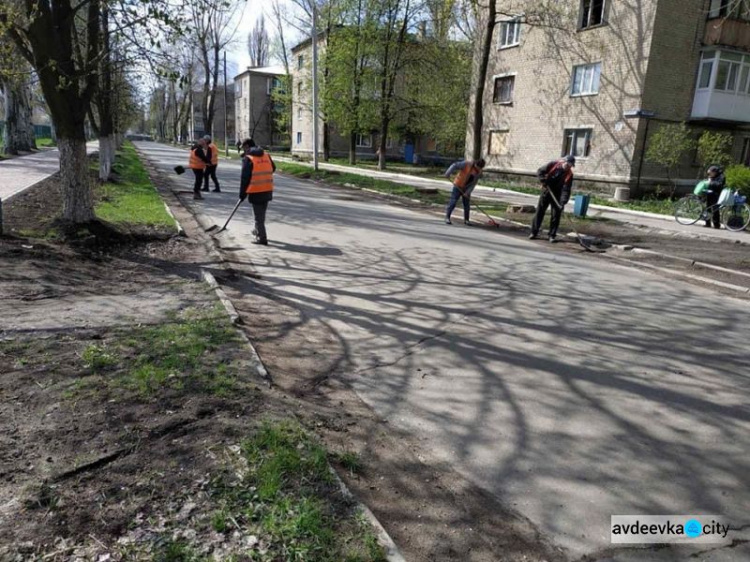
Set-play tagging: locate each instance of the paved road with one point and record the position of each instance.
(19, 173)
(648, 220)
(570, 387)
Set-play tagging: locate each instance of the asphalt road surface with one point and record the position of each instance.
(572, 388)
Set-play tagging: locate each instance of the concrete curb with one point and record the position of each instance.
(392, 553)
(693, 263)
(228, 306)
(728, 286)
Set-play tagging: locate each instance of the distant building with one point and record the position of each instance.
(254, 106)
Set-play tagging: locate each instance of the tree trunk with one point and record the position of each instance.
(78, 204)
(17, 120)
(326, 141)
(478, 120)
(352, 148)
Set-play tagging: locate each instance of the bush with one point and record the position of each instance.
(738, 177)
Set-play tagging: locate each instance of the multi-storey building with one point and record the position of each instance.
(597, 78)
(254, 109)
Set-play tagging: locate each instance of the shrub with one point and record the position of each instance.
(738, 177)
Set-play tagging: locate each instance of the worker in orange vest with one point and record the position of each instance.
(463, 185)
(212, 153)
(198, 162)
(257, 185)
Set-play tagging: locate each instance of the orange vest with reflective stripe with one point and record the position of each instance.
(261, 179)
(463, 176)
(214, 154)
(195, 162)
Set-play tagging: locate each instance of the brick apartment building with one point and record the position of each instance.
(254, 109)
(601, 81)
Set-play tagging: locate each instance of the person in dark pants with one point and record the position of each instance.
(556, 177)
(257, 185)
(212, 154)
(198, 163)
(716, 182)
(463, 185)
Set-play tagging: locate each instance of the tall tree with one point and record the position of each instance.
(15, 85)
(258, 43)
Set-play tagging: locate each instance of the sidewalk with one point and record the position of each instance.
(663, 223)
(20, 173)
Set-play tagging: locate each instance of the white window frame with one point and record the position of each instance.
(238, 88)
(510, 33)
(590, 83)
(299, 114)
(589, 25)
(497, 77)
(361, 141)
(588, 134)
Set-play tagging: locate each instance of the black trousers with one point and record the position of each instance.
(545, 200)
(712, 198)
(198, 181)
(259, 210)
(210, 172)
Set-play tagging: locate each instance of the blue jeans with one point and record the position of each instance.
(455, 195)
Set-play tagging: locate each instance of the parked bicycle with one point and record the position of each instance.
(733, 209)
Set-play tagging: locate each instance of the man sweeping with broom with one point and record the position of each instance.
(257, 185)
(463, 185)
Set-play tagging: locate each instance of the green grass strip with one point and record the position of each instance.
(132, 200)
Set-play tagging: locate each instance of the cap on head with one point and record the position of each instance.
(207, 138)
(248, 143)
(570, 159)
(480, 163)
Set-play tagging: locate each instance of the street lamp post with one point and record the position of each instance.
(226, 110)
(315, 82)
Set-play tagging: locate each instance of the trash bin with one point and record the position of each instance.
(581, 205)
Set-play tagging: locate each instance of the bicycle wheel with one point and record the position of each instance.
(736, 217)
(688, 210)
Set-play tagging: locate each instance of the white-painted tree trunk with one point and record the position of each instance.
(106, 157)
(74, 172)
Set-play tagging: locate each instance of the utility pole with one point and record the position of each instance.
(226, 110)
(315, 82)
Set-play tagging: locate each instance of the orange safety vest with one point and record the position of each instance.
(261, 179)
(214, 154)
(463, 176)
(195, 162)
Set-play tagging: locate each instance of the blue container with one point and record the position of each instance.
(581, 205)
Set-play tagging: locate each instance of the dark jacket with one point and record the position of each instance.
(555, 177)
(715, 185)
(247, 172)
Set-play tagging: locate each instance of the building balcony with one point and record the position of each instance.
(727, 32)
(723, 89)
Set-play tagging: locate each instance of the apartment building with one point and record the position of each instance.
(254, 106)
(606, 74)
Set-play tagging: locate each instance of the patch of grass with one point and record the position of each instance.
(45, 142)
(99, 357)
(289, 498)
(220, 521)
(132, 200)
(351, 462)
(175, 551)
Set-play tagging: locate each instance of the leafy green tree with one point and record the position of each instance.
(715, 148)
(668, 145)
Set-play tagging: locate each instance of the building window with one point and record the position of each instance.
(707, 67)
(364, 141)
(299, 89)
(586, 79)
(577, 142)
(388, 142)
(299, 138)
(238, 88)
(299, 114)
(592, 13)
(269, 86)
(503, 92)
(728, 72)
(499, 142)
(510, 33)
(300, 62)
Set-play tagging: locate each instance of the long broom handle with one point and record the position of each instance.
(461, 191)
(237, 206)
